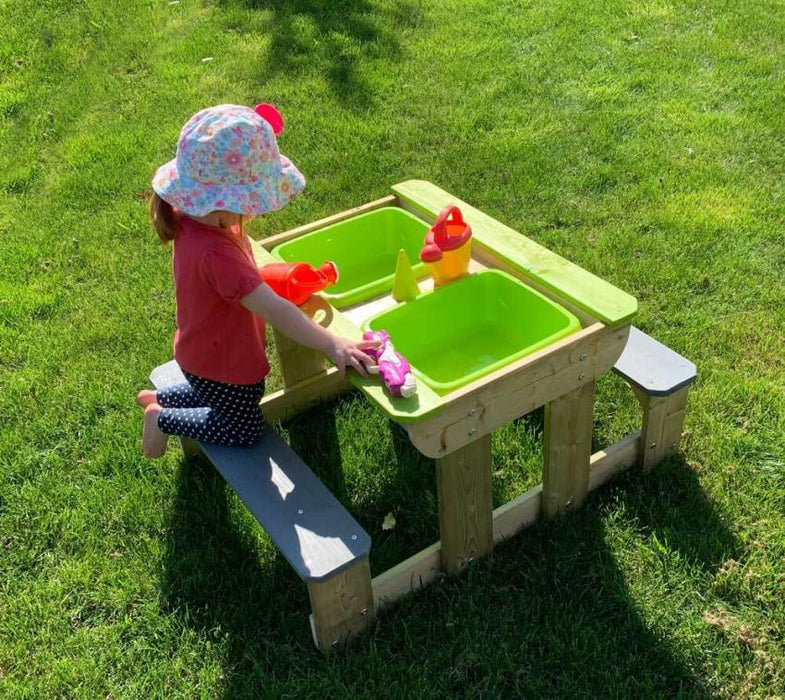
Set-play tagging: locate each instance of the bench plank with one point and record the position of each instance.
(653, 367)
(315, 534)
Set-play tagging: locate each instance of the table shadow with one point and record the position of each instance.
(553, 603)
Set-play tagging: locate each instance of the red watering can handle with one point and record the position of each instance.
(440, 226)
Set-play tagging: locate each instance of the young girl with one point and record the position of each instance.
(227, 171)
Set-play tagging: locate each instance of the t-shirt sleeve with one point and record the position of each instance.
(230, 272)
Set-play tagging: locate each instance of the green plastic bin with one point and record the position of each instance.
(464, 330)
(365, 249)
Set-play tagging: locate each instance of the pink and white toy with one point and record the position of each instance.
(395, 370)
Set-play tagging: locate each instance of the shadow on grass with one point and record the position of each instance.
(336, 36)
(550, 614)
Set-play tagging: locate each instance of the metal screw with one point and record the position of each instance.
(568, 505)
(354, 537)
(653, 445)
(472, 431)
(300, 512)
(582, 375)
(583, 357)
(471, 411)
(364, 611)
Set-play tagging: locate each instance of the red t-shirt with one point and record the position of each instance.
(217, 338)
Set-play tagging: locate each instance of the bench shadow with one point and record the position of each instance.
(313, 436)
(554, 603)
(222, 578)
(557, 606)
(338, 35)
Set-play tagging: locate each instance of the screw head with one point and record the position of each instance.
(582, 376)
(354, 537)
(472, 431)
(583, 356)
(300, 511)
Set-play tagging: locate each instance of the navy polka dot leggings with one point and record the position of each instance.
(214, 412)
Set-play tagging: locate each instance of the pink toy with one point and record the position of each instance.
(395, 370)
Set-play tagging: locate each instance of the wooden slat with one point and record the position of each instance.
(587, 291)
(412, 573)
(465, 504)
(606, 463)
(272, 241)
(567, 450)
(287, 403)
(517, 514)
(519, 388)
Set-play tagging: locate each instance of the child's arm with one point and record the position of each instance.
(289, 320)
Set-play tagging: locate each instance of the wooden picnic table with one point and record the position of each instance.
(328, 548)
(455, 429)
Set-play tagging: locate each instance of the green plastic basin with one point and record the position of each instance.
(464, 330)
(365, 248)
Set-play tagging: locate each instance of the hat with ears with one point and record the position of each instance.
(228, 160)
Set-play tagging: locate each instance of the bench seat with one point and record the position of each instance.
(314, 532)
(653, 367)
(660, 379)
(322, 542)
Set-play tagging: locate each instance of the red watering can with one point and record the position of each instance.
(298, 281)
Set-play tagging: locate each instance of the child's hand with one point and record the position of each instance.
(349, 353)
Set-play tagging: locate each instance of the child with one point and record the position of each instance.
(227, 171)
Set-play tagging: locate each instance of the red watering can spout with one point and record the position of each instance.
(298, 281)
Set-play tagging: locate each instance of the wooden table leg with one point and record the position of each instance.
(567, 450)
(298, 363)
(465, 504)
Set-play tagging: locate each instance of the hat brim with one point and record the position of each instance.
(198, 199)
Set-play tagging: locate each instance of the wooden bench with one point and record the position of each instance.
(322, 542)
(660, 379)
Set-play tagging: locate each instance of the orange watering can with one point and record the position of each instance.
(448, 246)
(298, 281)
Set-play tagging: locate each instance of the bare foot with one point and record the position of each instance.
(145, 397)
(153, 438)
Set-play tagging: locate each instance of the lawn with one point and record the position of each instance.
(641, 140)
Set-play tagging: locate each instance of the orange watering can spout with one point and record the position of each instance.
(298, 281)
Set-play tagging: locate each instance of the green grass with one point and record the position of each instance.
(641, 140)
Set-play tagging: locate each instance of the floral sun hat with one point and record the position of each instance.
(228, 159)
